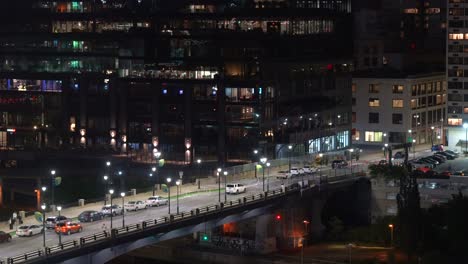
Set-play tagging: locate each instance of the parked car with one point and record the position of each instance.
(51, 221)
(235, 188)
(437, 148)
(90, 216)
(421, 163)
(423, 169)
(452, 152)
(296, 171)
(68, 228)
(283, 175)
(429, 160)
(338, 164)
(383, 162)
(156, 201)
(439, 158)
(309, 169)
(399, 155)
(4, 237)
(116, 210)
(447, 155)
(135, 205)
(28, 230)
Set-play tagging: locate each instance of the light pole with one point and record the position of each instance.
(44, 189)
(320, 168)
(154, 170)
(219, 183)
(416, 117)
(178, 186)
(122, 194)
(410, 135)
(263, 160)
(169, 193)
(414, 148)
(59, 208)
(352, 151)
(465, 126)
(157, 155)
(198, 174)
(268, 176)
(111, 191)
(43, 207)
(52, 189)
(106, 178)
(432, 136)
(225, 173)
(304, 240)
(391, 234)
(289, 162)
(255, 152)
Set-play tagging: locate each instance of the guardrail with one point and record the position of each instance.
(137, 227)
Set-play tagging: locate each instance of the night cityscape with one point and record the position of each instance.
(234, 131)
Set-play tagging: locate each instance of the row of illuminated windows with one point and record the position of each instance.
(375, 102)
(31, 85)
(458, 36)
(375, 88)
(58, 45)
(426, 88)
(427, 101)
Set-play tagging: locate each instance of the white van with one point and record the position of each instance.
(235, 188)
(283, 175)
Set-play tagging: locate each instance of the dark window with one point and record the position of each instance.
(455, 85)
(454, 109)
(353, 101)
(397, 119)
(373, 118)
(455, 60)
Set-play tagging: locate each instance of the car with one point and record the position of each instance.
(4, 237)
(437, 148)
(445, 174)
(235, 188)
(338, 164)
(383, 162)
(156, 201)
(423, 169)
(68, 228)
(51, 221)
(116, 210)
(135, 205)
(296, 171)
(28, 230)
(429, 160)
(399, 155)
(454, 153)
(447, 155)
(458, 173)
(283, 175)
(421, 163)
(90, 216)
(439, 158)
(309, 169)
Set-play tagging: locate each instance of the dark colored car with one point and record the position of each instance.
(453, 153)
(399, 155)
(447, 155)
(338, 164)
(383, 162)
(90, 216)
(4, 237)
(439, 158)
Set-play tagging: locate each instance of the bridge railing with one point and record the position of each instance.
(138, 227)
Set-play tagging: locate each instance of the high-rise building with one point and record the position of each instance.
(193, 79)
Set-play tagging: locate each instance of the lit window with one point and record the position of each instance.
(353, 88)
(410, 11)
(465, 110)
(456, 36)
(373, 136)
(397, 103)
(374, 102)
(398, 89)
(454, 121)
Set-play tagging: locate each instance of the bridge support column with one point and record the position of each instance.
(316, 226)
(265, 242)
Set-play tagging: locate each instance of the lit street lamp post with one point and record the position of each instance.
(414, 148)
(111, 191)
(263, 161)
(122, 194)
(225, 183)
(106, 178)
(352, 151)
(157, 155)
(432, 136)
(169, 193)
(198, 174)
(268, 176)
(391, 234)
(43, 207)
(44, 189)
(154, 170)
(59, 208)
(219, 183)
(289, 162)
(465, 126)
(52, 189)
(178, 186)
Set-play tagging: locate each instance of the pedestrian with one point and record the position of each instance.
(104, 227)
(20, 219)
(10, 222)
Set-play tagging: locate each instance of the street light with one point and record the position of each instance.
(225, 182)
(268, 176)
(122, 194)
(169, 193)
(414, 148)
(108, 163)
(352, 150)
(391, 234)
(153, 169)
(178, 184)
(432, 135)
(198, 167)
(59, 208)
(290, 148)
(43, 188)
(263, 160)
(219, 183)
(111, 191)
(43, 207)
(52, 189)
(106, 178)
(465, 126)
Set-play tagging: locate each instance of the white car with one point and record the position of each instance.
(28, 230)
(235, 188)
(156, 201)
(116, 210)
(296, 171)
(283, 175)
(309, 169)
(135, 205)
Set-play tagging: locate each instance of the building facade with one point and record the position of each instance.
(191, 79)
(396, 108)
